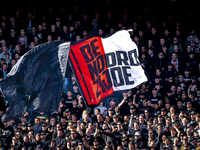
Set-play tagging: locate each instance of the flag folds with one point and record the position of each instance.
(105, 65)
(35, 83)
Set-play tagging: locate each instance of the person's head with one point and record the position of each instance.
(149, 125)
(85, 33)
(69, 93)
(189, 105)
(193, 115)
(110, 111)
(112, 103)
(97, 111)
(162, 41)
(185, 140)
(85, 115)
(172, 109)
(75, 87)
(188, 48)
(58, 127)
(78, 38)
(36, 40)
(141, 118)
(30, 135)
(144, 102)
(4, 66)
(101, 32)
(24, 148)
(131, 146)
(150, 133)
(163, 111)
(197, 118)
(198, 142)
(65, 28)
(153, 30)
(96, 143)
(37, 137)
(115, 118)
(73, 134)
(132, 109)
(136, 125)
(167, 106)
(53, 143)
(194, 142)
(155, 120)
(74, 102)
(73, 78)
(53, 27)
(173, 132)
(146, 113)
(74, 117)
(12, 32)
(176, 140)
(119, 125)
(152, 144)
(167, 142)
(17, 48)
(174, 55)
(4, 49)
(37, 121)
(143, 50)
(14, 140)
(83, 125)
(22, 32)
(169, 66)
(160, 118)
(159, 129)
(168, 122)
(63, 119)
(178, 33)
(130, 102)
(150, 51)
(25, 138)
(137, 135)
(32, 45)
(120, 147)
(49, 38)
(175, 40)
(23, 119)
(59, 133)
(90, 126)
(179, 104)
(71, 28)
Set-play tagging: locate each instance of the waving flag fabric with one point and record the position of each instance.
(105, 65)
(35, 83)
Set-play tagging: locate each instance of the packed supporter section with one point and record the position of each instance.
(163, 113)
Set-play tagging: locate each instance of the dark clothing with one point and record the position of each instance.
(37, 129)
(60, 141)
(109, 137)
(16, 147)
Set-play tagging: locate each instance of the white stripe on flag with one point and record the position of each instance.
(121, 43)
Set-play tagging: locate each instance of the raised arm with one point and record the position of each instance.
(123, 101)
(80, 105)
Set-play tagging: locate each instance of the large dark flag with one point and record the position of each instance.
(35, 83)
(105, 65)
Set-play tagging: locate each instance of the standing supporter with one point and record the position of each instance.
(23, 35)
(12, 39)
(151, 62)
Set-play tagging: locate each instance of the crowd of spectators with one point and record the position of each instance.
(160, 114)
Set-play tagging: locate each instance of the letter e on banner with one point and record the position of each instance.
(87, 58)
